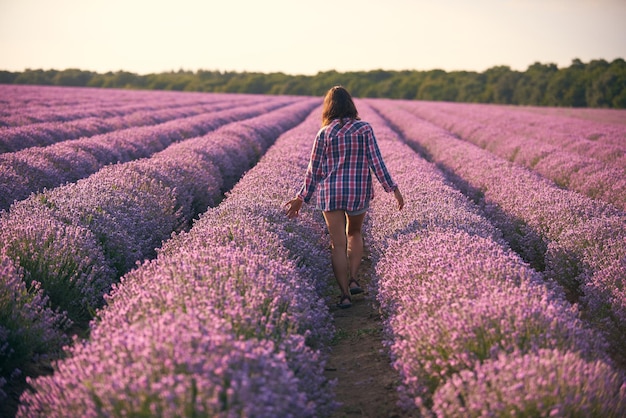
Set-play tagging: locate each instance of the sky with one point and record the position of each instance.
(306, 37)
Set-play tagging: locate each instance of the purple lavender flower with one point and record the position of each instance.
(177, 364)
(545, 383)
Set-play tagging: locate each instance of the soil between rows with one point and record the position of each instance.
(366, 382)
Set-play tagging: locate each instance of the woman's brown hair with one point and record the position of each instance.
(338, 104)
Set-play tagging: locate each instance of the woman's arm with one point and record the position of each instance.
(314, 169)
(377, 164)
(311, 178)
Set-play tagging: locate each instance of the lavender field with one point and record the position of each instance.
(145, 255)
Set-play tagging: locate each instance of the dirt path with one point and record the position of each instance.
(366, 384)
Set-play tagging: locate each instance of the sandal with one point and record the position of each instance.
(344, 302)
(356, 289)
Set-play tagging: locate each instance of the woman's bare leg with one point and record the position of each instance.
(336, 223)
(355, 243)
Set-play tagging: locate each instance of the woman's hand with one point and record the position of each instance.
(293, 207)
(399, 198)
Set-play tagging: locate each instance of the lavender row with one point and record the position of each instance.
(48, 133)
(602, 141)
(76, 240)
(23, 104)
(545, 217)
(128, 209)
(463, 311)
(32, 116)
(579, 242)
(553, 147)
(227, 321)
(17, 98)
(35, 169)
(615, 116)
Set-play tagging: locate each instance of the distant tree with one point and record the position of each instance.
(256, 83)
(40, 77)
(615, 83)
(470, 86)
(7, 77)
(296, 85)
(596, 84)
(531, 87)
(567, 86)
(390, 87)
(410, 85)
(322, 81)
(494, 93)
(72, 77)
(607, 83)
(437, 86)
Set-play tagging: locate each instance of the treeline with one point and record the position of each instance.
(598, 83)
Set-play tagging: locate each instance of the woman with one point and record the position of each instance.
(344, 155)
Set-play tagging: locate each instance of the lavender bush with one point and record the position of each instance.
(461, 300)
(180, 364)
(79, 238)
(570, 152)
(231, 317)
(65, 259)
(545, 383)
(29, 329)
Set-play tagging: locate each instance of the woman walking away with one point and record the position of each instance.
(344, 155)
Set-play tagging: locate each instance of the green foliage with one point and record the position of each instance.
(595, 84)
(27, 327)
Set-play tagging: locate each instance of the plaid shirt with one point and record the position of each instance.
(340, 164)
